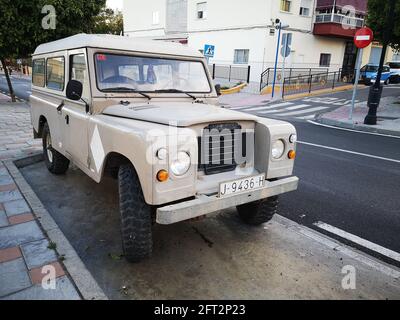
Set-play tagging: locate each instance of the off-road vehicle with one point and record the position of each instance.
(146, 113)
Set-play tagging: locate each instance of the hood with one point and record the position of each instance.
(181, 114)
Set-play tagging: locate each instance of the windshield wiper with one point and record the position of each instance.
(126, 89)
(176, 91)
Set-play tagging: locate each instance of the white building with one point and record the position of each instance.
(243, 32)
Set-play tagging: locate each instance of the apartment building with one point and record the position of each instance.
(244, 33)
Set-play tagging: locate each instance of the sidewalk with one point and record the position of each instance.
(388, 117)
(24, 248)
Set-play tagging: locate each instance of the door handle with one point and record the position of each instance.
(59, 108)
(67, 119)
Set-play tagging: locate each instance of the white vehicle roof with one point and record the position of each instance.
(106, 41)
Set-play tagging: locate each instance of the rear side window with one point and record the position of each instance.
(38, 72)
(55, 73)
(79, 72)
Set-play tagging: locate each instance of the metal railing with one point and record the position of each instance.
(230, 72)
(326, 80)
(268, 75)
(340, 19)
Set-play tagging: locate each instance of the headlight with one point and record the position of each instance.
(278, 148)
(181, 164)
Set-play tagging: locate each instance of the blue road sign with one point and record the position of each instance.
(286, 43)
(209, 50)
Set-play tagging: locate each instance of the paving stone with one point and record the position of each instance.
(13, 277)
(65, 290)
(21, 218)
(3, 219)
(37, 254)
(10, 254)
(17, 234)
(5, 179)
(10, 195)
(16, 207)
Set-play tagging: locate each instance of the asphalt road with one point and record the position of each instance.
(21, 86)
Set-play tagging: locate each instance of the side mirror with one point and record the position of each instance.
(74, 90)
(218, 89)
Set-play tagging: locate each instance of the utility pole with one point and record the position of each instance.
(375, 91)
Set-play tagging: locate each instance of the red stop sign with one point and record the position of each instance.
(363, 37)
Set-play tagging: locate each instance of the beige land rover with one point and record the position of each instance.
(146, 113)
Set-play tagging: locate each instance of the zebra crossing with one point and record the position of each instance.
(305, 109)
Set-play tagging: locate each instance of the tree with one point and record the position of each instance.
(109, 21)
(21, 28)
(377, 20)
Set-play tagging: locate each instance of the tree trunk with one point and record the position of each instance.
(10, 88)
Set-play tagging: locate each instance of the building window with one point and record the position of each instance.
(156, 17)
(286, 5)
(325, 60)
(38, 73)
(241, 56)
(305, 6)
(201, 10)
(55, 73)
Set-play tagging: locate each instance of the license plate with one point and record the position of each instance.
(241, 185)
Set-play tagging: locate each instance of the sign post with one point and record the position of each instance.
(362, 39)
(285, 52)
(209, 51)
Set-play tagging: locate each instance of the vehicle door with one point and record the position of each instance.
(75, 114)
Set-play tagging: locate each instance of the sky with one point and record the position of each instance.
(115, 4)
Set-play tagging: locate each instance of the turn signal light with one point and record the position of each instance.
(292, 154)
(162, 175)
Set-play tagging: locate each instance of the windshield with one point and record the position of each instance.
(133, 73)
(394, 65)
(372, 68)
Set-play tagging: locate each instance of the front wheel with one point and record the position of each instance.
(136, 216)
(258, 212)
(56, 163)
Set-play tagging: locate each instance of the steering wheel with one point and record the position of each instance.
(119, 79)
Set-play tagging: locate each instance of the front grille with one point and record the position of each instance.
(217, 148)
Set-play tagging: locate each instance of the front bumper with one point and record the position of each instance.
(204, 204)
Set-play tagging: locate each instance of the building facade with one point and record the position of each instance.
(244, 33)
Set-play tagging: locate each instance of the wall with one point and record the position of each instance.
(138, 18)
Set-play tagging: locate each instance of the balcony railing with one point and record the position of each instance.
(339, 19)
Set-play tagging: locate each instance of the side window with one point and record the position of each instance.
(55, 73)
(38, 72)
(78, 71)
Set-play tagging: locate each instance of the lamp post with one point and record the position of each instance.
(375, 91)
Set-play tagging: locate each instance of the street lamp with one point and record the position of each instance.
(280, 26)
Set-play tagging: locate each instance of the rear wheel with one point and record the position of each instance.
(56, 163)
(136, 216)
(258, 212)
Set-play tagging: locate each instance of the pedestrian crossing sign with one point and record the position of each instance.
(209, 50)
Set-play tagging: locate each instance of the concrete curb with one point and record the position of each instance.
(85, 283)
(357, 127)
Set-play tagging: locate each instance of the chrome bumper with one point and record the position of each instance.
(204, 204)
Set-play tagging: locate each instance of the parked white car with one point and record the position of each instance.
(146, 113)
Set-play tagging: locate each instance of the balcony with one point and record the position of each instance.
(336, 25)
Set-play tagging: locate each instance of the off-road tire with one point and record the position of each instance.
(136, 216)
(57, 163)
(258, 212)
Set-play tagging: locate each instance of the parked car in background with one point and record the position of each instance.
(395, 71)
(369, 72)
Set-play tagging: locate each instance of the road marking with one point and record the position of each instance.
(270, 106)
(297, 107)
(306, 117)
(360, 241)
(352, 130)
(295, 113)
(348, 151)
(337, 246)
